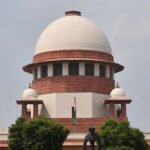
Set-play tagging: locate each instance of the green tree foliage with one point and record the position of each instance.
(38, 134)
(120, 148)
(16, 135)
(120, 136)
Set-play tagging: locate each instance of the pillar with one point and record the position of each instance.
(50, 70)
(112, 109)
(65, 69)
(35, 110)
(38, 72)
(96, 69)
(24, 110)
(123, 109)
(107, 72)
(81, 69)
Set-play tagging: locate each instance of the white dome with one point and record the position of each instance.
(72, 32)
(117, 93)
(29, 93)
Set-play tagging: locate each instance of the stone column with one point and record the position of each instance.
(50, 70)
(123, 109)
(24, 110)
(35, 110)
(96, 69)
(81, 69)
(112, 109)
(107, 71)
(38, 72)
(65, 69)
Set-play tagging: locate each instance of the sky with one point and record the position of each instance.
(125, 22)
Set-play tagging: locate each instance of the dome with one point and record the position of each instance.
(117, 93)
(29, 93)
(72, 32)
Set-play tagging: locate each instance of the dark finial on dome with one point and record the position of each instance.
(117, 85)
(72, 13)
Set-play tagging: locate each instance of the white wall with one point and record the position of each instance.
(49, 106)
(88, 105)
(98, 106)
(4, 133)
(65, 101)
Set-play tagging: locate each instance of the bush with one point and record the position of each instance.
(120, 135)
(120, 148)
(37, 134)
(16, 135)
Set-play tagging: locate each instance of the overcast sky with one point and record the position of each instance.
(125, 22)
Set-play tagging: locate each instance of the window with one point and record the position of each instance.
(89, 69)
(35, 73)
(111, 74)
(102, 69)
(57, 69)
(44, 71)
(73, 69)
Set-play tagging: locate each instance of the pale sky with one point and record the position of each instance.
(125, 22)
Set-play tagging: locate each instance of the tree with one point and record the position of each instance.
(40, 134)
(120, 136)
(16, 135)
(120, 148)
